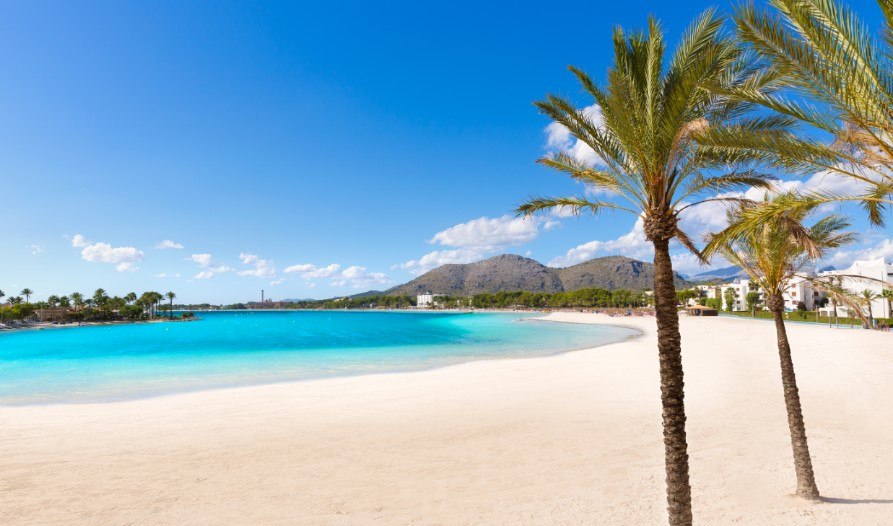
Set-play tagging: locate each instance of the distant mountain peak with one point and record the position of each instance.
(511, 272)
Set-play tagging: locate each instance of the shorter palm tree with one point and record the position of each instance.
(773, 254)
(27, 293)
(868, 296)
(887, 294)
(170, 296)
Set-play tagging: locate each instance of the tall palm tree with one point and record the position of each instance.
(27, 293)
(170, 296)
(2, 294)
(652, 109)
(772, 255)
(130, 297)
(840, 83)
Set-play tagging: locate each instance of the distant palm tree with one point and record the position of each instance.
(773, 255)
(78, 300)
(130, 297)
(887, 294)
(27, 293)
(2, 294)
(649, 116)
(170, 296)
(868, 296)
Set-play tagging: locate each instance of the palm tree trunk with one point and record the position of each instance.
(672, 393)
(806, 487)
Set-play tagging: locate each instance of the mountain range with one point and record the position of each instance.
(509, 272)
(724, 274)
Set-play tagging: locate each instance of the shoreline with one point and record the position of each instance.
(432, 367)
(565, 439)
(39, 326)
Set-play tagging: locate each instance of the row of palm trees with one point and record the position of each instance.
(100, 304)
(799, 86)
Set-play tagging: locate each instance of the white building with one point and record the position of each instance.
(426, 300)
(875, 269)
(740, 288)
(799, 290)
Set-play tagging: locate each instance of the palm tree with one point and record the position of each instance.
(2, 294)
(78, 300)
(130, 297)
(170, 296)
(27, 293)
(773, 255)
(869, 296)
(650, 163)
(887, 294)
(840, 83)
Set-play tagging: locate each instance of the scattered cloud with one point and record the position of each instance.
(209, 269)
(261, 268)
(203, 260)
(79, 241)
(559, 138)
(167, 243)
(476, 239)
(490, 232)
(277, 281)
(124, 258)
(354, 276)
(309, 271)
(163, 275)
(632, 244)
(844, 258)
(437, 258)
(35, 249)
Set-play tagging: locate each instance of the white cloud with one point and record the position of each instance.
(476, 239)
(261, 267)
(79, 241)
(277, 281)
(632, 244)
(205, 262)
(35, 249)
(844, 258)
(124, 258)
(309, 271)
(167, 243)
(161, 275)
(490, 232)
(559, 138)
(432, 260)
(355, 276)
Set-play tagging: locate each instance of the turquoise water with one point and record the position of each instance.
(106, 363)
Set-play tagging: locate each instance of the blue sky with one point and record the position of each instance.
(310, 149)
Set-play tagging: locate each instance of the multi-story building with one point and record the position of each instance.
(740, 289)
(797, 290)
(878, 272)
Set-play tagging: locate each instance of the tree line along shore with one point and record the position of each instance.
(76, 307)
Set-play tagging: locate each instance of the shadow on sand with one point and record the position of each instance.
(833, 500)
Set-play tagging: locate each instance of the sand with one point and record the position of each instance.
(568, 439)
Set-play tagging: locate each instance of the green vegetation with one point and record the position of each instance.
(76, 307)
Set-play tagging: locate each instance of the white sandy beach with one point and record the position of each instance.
(568, 439)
